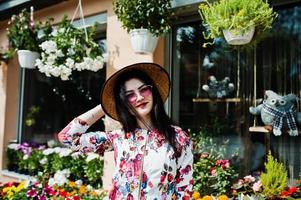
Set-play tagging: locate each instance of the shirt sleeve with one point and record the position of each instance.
(184, 181)
(74, 136)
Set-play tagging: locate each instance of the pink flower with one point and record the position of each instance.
(256, 186)
(240, 182)
(249, 178)
(213, 171)
(204, 155)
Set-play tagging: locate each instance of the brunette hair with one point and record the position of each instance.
(127, 115)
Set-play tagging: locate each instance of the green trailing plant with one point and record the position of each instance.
(22, 33)
(274, 180)
(6, 54)
(152, 15)
(236, 15)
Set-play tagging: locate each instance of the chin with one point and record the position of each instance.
(143, 113)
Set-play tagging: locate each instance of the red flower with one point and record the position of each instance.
(169, 177)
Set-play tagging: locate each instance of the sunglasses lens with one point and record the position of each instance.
(145, 91)
(131, 97)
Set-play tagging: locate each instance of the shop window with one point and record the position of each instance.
(278, 64)
(47, 103)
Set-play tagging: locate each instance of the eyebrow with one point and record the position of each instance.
(127, 91)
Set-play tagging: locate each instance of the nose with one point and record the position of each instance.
(139, 97)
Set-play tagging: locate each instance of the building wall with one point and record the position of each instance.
(119, 51)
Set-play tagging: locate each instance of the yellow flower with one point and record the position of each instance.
(93, 193)
(72, 184)
(82, 189)
(196, 195)
(222, 197)
(20, 186)
(241, 12)
(5, 190)
(207, 197)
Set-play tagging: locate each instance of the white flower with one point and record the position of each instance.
(48, 151)
(25, 157)
(79, 182)
(92, 156)
(59, 178)
(62, 30)
(54, 32)
(89, 187)
(71, 51)
(65, 152)
(49, 46)
(13, 146)
(59, 53)
(51, 182)
(43, 161)
(76, 155)
(70, 62)
(51, 59)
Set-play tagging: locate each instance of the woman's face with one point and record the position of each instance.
(139, 95)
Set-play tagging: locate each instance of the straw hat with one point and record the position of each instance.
(157, 73)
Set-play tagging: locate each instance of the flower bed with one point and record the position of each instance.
(55, 165)
(42, 191)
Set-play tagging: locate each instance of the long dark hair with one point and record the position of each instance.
(127, 115)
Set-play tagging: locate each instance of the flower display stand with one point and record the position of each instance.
(7, 176)
(27, 58)
(238, 37)
(143, 42)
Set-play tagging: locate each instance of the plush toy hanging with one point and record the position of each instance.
(279, 112)
(218, 89)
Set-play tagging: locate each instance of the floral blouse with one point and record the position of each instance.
(165, 174)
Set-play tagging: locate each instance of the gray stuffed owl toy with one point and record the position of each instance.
(218, 89)
(279, 112)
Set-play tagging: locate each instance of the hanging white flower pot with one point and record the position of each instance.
(27, 58)
(239, 37)
(143, 41)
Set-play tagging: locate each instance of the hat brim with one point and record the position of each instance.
(157, 73)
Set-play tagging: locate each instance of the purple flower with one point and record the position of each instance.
(32, 193)
(42, 197)
(49, 191)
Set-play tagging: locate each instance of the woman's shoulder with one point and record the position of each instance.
(182, 136)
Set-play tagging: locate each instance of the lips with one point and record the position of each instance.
(141, 105)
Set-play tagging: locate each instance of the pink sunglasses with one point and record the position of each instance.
(145, 91)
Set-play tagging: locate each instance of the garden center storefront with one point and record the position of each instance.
(35, 107)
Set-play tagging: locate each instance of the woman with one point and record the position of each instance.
(153, 158)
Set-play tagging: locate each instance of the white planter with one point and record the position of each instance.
(247, 197)
(237, 37)
(143, 41)
(27, 58)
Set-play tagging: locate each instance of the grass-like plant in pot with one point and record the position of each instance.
(150, 18)
(238, 17)
(274, 180)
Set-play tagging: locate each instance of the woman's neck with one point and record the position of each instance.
(145, 123)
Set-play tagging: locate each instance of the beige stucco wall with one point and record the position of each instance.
(120, 55)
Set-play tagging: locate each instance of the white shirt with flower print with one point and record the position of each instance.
(165, 174)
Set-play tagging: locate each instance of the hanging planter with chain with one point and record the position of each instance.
(69, 48)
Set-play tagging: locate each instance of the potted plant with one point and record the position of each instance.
(144, 20)
(236, 20)
(274, 180)
(23, 37)
(68, 48)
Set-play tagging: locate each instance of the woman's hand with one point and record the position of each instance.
(91, 116)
